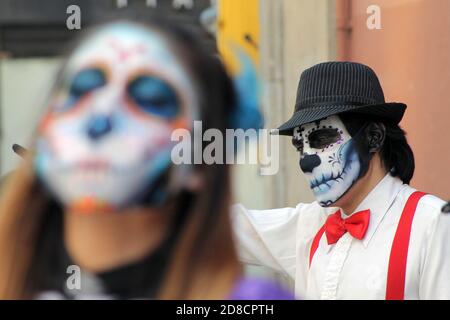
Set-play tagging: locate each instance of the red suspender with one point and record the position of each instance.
(395, 287)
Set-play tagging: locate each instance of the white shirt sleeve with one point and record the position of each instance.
(435, 271)
(267, 237)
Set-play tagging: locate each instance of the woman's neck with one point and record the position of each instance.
(101, 242)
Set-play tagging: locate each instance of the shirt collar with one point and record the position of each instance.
(379, 201)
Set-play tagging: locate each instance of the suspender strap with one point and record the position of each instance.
(396, 276)
(395, 287)
(315, 243)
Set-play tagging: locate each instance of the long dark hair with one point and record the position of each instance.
(203, 247)
(396, 154)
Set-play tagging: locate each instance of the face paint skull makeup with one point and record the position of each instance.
(329, 158)
(106, 138)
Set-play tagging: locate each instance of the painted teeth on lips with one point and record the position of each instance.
(325, 179)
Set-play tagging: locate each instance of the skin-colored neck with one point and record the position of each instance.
(350, 201)
(101, 242)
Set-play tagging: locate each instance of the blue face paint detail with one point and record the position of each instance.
(41, 163)
(84, 82)
(160, 165)
(247, 114)
(99, 126)
(154, 96)
(350, 159)
(41, 159)
(157, 168)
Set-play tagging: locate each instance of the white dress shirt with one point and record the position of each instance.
(350, 269)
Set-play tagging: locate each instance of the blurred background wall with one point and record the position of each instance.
(24, 84)
(290, 36)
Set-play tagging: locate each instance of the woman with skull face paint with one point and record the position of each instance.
(100, 193)
(369, 235)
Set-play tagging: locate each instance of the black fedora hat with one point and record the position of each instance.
(336, 87)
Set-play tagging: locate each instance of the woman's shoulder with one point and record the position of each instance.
(259, 289)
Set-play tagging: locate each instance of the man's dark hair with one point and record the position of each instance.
(396, 154)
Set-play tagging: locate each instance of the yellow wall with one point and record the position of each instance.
(236, 18)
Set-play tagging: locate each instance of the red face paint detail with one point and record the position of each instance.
(45, 122)
(53, 114)
(90, 205)
(180, 123)
(124, 54)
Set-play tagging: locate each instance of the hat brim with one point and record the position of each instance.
(392, 111)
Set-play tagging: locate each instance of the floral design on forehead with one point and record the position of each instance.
(328, 158)
(105, 142)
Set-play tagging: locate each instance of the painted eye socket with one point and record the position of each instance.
(298, 144)
(86, 81)
(322, 138)
(154, 96)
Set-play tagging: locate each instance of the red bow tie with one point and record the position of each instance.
(356, 225)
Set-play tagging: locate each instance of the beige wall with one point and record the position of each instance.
(295, 34)
(411, 55)
(24, 85)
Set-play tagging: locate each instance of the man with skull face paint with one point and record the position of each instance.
(369, 235)
(328, 158)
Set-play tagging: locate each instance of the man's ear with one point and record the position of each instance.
(376, 135)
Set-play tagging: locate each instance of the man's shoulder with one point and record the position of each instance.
(428, 212)
(432, 202)
(429, 204)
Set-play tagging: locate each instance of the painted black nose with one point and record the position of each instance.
(309, 162)
(99, 126)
